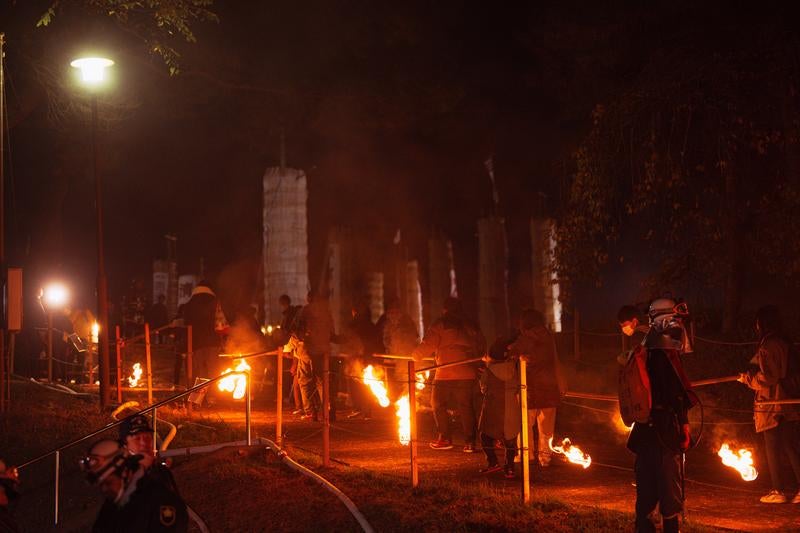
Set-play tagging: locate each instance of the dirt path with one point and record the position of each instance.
(716, 496)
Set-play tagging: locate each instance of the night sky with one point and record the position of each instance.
(391, 109)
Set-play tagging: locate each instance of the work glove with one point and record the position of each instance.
(686, 438)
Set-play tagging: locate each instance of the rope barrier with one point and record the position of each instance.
(725, 343)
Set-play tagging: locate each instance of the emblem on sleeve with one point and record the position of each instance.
(167, 515)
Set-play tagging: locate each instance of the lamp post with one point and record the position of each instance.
(93, 70)
(53, 298)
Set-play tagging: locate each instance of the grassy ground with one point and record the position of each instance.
(235, 492)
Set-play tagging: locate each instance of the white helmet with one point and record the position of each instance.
(661, 306)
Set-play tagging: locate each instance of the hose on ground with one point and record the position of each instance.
(291, 463)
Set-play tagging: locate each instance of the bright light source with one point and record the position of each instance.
(54, 296)
(95, 332)
(93, 69)
(269, 330)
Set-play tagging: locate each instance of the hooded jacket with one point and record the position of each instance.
(200, 313)
(543, 370)
(772, 359)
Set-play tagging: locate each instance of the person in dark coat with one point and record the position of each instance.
(200, 313)
(360, 340)
(134, 502)
(138, 438)
(660, 442)
(537, 345)
(500, 413)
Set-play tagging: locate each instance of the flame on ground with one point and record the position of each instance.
(376, 385)
(572, 453)
(237, 384)
(403, 413)
(134, 378)
(741, 461)
(422, 378)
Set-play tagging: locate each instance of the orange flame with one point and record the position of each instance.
(572, 453)
(403, 413)
(376, 385)
(134, 378)
(422, 378)
(237, 384)
(741, 461)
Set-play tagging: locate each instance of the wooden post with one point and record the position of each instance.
(189, 349)
(576, 336)
(326, 414)
(279, 399)
(412, 417)
(12, 340)
(49, 346)
(525, 452)
(623, 342)
(119, 365)
(88, 362)
(149, 363)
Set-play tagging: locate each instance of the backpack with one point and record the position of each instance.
(790, 383)
(635, 401)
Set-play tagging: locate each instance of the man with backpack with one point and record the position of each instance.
(656, 396)
(774, 376)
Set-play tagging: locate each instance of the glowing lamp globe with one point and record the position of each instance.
(55, 296)
(93, 69)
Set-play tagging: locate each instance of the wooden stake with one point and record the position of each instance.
(576, 336)
(412, 415)
(525, 452)
(119, 365)
(279, 400)
(188, 357)
(149, 364)
(326, 414)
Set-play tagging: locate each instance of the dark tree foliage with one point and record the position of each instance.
(155, 22)
(695, 166)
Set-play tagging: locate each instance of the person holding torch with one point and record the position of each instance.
(774, 371)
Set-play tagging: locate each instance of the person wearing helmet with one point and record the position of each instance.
(9, 490)
(133, 502)
(659, 443)
(137, 436)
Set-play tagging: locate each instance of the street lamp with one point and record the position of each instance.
(53, 297)
(93, 77)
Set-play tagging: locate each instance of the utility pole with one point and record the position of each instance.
(5, 381)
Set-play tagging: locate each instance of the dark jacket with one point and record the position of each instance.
(290, 322)
(200, 313)
(151, 508)
(539, 348)
(671, 403)
(316, 327)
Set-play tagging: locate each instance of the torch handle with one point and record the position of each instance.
(714, 381)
